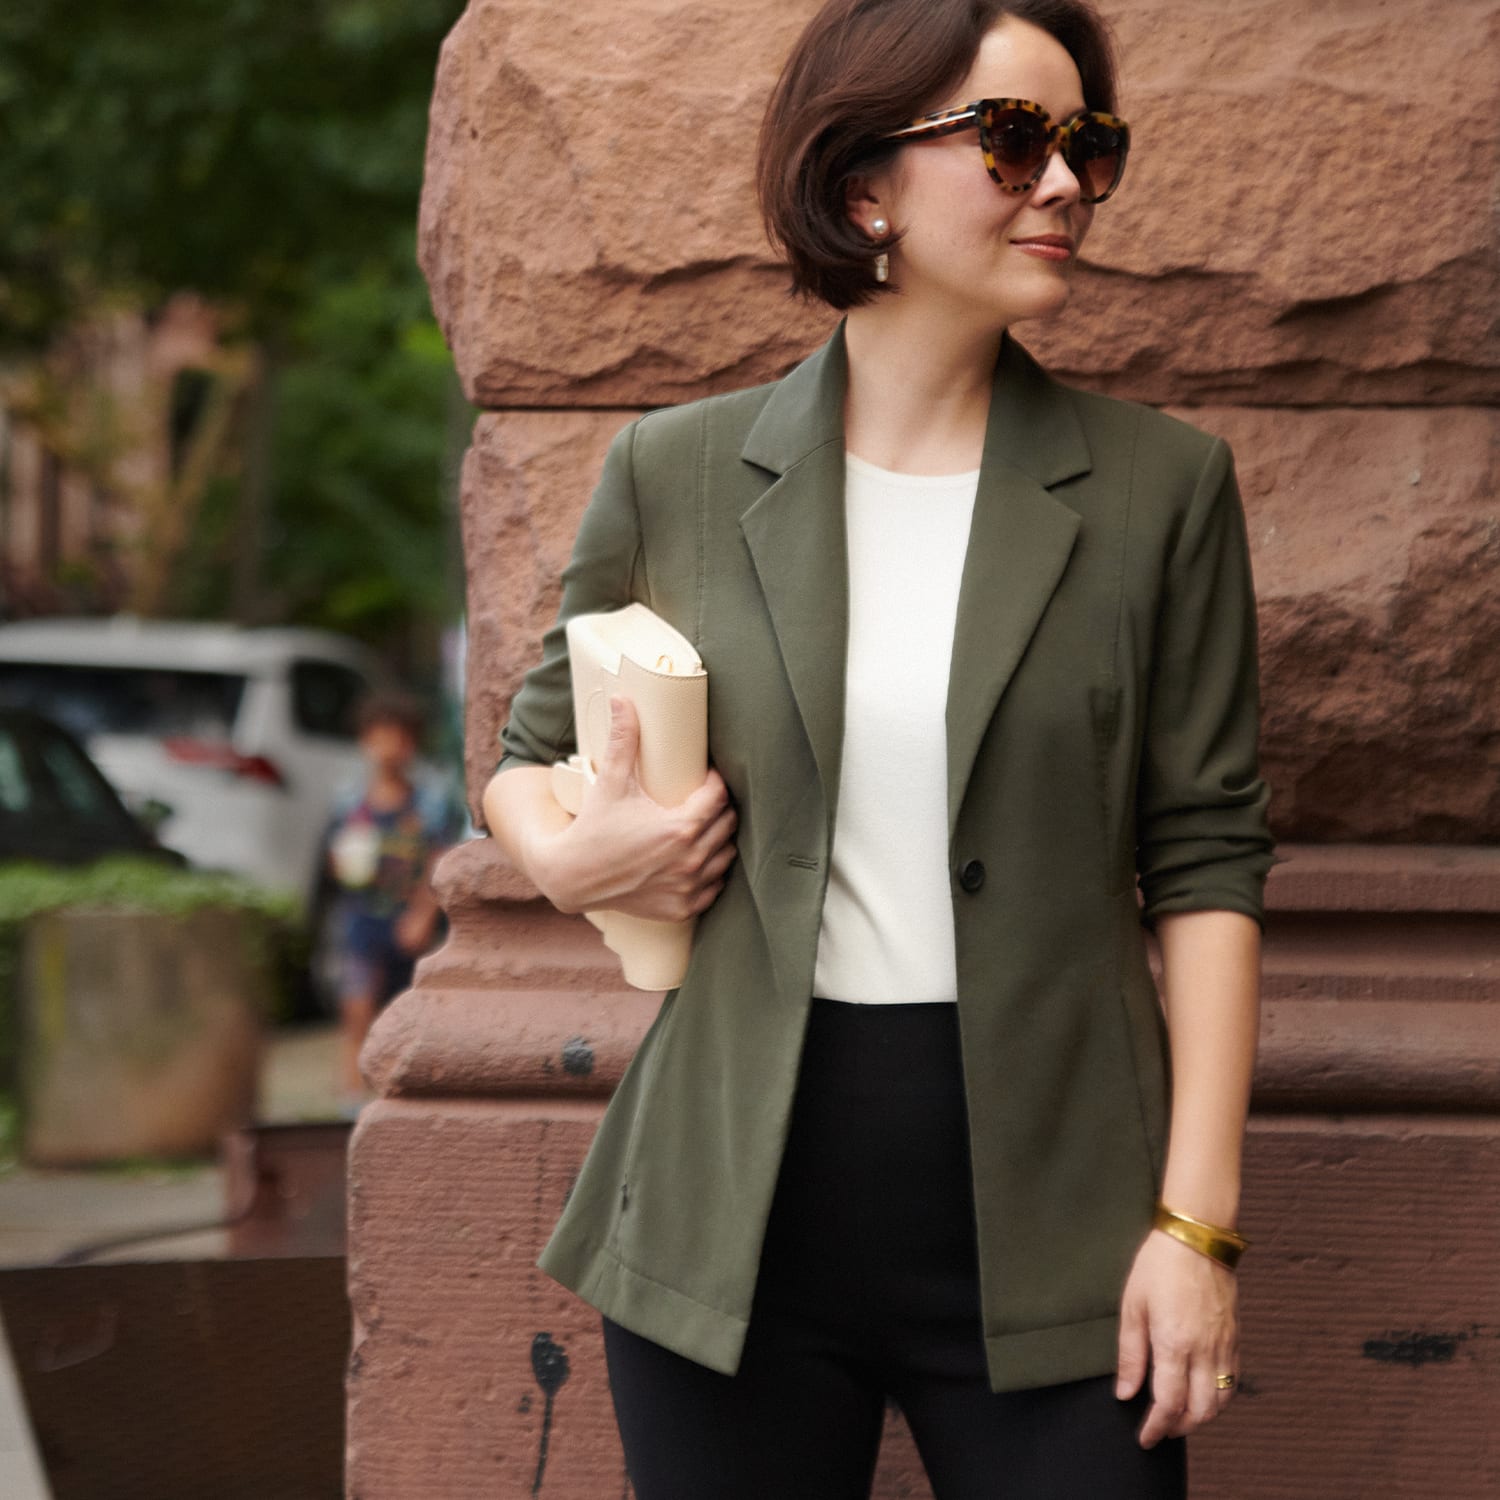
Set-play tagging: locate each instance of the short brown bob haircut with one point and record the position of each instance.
(865, 67)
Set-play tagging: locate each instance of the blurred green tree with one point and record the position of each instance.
(365, 422)
(267, 157)
(249, 150)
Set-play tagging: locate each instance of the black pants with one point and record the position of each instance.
(868, 1291)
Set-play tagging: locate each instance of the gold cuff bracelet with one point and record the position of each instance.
(1213, 1240)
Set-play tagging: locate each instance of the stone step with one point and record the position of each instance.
(1385, 879)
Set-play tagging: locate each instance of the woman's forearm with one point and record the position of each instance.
(522, 815)
(1211, 984)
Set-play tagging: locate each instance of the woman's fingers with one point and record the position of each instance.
(1169, 1397)
(1226, 1395)
(1187, 1392)
(1185, 1389)
(1134, 1349)
(1202, 1396)
(1225, 1363)
(718, 866)
(709, 860)
(707, 800)
(1205, 1399)
(714, 836)
(617, 770)
(704, 899)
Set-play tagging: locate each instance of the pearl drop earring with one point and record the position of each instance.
(882, 261)
(880, 226)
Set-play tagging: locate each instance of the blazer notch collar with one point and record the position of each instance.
(805, 410)
(1032, 424)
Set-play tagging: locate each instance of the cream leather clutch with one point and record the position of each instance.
(635, 653)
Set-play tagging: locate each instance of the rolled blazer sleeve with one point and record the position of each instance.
(1203, 842)
(601, 574)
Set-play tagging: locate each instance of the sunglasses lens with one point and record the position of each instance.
(1018, 142)
(1096, 156)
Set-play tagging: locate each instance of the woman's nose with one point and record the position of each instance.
(1057, 184)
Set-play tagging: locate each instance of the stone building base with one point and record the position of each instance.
(1372, 1197)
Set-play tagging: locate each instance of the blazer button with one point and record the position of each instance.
(971, 876)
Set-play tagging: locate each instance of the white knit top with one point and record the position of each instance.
(887, 932)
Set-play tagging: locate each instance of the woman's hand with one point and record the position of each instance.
(1180, 1309)
(626, 852)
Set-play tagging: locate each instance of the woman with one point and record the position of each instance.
(981, 652)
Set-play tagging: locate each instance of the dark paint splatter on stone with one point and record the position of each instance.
(1414, 1348)
(577, 1057)
(549, 1363)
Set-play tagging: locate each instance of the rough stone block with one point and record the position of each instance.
(1302, 221)
(1370, 1358)
(472, 1372)
(1290, 232)
(1370, 1353)
(638, 231)
(1375, 538)
(467, 1373)
(526, 479)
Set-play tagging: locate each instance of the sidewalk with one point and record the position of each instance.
(46, 1211)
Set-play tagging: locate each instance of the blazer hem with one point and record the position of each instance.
(715, 1338)
(1051, 1356)
(707, 1335)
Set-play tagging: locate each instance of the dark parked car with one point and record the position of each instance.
(55, 805)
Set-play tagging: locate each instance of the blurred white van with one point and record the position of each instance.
(245, 736)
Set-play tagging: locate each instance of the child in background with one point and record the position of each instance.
(382, 846)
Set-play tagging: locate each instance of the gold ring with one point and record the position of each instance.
(1224, 1382)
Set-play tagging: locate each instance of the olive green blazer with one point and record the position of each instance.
(1102, 733)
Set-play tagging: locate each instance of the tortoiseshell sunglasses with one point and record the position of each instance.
(1016, 136)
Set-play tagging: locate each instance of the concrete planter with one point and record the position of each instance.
(140, 1032)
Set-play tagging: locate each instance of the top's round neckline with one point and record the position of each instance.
(914, 481)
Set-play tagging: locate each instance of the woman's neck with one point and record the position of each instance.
(919, 389)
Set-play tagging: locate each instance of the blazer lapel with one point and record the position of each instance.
(1019, 543)
(797, 540)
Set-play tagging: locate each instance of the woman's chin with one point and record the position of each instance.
(1016, 299)
(1043, 302)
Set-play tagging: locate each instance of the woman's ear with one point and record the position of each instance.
(862, 203)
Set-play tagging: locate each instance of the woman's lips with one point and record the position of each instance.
(1047, 246)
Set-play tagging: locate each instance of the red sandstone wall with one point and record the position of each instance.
(1303, 259)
